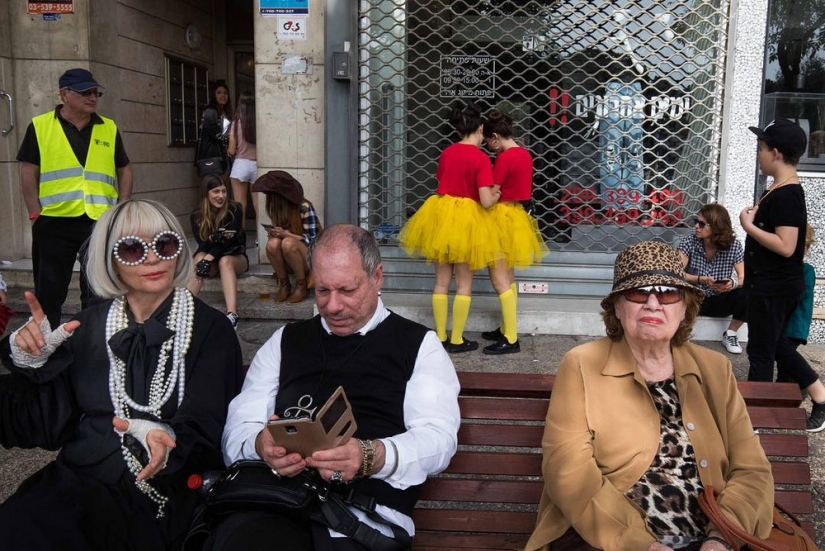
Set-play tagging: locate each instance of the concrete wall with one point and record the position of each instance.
(290, 108)
(123, 43)
(13, 221)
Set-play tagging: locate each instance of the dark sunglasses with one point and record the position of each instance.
(87, 93)
(131, 250)
(663, 293)
(697, 222)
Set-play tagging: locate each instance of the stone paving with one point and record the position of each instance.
(539, 354)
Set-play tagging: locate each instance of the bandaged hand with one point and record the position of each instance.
(32, 344)
(156, 438)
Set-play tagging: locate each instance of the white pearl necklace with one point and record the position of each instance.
(180, 320)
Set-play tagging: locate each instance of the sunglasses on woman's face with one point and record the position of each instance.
(697, 222)
(663, 293)
(131, 250)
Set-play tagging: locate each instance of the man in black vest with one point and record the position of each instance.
(399, 380)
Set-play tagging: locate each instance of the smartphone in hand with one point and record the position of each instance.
(268, 227)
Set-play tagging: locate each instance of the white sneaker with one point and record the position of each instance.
(731, 342)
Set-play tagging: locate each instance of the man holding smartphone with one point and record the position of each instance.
(399, 381)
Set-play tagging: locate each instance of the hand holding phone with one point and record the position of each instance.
(268, 227)
(333, 426)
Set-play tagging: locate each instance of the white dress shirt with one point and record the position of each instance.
(431, 416)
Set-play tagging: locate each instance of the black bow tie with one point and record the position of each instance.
(137, 337)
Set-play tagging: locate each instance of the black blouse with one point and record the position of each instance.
(233, 221)
(66, 403)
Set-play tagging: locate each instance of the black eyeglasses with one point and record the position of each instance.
(664, 294)
(697, 222)
(87, 93)
(131, 250)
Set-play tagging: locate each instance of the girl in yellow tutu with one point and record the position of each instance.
(521, 240)
(453, 229)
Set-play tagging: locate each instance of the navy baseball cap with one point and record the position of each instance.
(79, 80)
(784, 135)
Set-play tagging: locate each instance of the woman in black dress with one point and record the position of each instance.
(217, 225)
(132, 391)
(214, 131)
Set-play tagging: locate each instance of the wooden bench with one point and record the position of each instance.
(488, 497)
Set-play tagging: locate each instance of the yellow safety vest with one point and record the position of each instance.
(68, 189)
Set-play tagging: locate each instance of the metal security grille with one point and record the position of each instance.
(619, 103)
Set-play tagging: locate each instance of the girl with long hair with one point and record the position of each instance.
(294, 226)
(242, 149)
(521, 240)
(214, 131)
(217, 225)
(452, 227)
(711, 256)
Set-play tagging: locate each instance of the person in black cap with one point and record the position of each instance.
(73, 168)
(774, 251)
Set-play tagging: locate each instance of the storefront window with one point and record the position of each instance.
(795, 72)
(619, 102)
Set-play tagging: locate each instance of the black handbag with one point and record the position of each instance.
(251, 485)
(210, 165)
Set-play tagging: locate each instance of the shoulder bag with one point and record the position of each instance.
(251, 485)
(786, 534)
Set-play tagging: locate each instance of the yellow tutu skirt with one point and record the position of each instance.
(521, 240)
(452, 230)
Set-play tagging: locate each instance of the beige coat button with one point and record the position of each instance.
(703, 463)
(691, 426)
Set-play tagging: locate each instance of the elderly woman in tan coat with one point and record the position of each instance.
(641, 421)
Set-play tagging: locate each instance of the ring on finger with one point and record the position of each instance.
(275, 472)
(337, 477)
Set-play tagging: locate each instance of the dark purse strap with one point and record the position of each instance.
(334, 512)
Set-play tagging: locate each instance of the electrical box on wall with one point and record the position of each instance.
(340, 66)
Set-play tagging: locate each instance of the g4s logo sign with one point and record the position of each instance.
(293, 26)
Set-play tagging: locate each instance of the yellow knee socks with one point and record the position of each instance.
(508, 314)
(461, 311)
(440, 316)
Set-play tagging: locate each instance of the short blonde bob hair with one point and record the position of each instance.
(135, 217)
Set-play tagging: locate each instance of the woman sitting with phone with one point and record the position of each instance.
(217, 225)
(294, 227)
(710, 256)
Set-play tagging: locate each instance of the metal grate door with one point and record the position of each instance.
(619, 103)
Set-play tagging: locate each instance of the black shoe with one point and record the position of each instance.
(502, 347)
(466, 346)
(816, 422)
(495, 335)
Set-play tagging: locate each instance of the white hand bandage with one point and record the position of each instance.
(139, 428)
(53, 339)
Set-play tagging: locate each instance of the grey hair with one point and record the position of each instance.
(342, 235)
(134, 217)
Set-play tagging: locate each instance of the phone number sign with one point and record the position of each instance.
(468, 76)
(58, 6)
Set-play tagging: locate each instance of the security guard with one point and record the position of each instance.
(73, 168)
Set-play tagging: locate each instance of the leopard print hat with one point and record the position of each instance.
(649, 263)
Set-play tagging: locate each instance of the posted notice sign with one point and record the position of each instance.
(468, 76)
(284, 7)
(57, 6)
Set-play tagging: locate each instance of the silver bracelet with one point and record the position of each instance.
(395, 465)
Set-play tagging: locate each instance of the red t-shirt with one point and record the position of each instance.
(462, 169)
(513, 171)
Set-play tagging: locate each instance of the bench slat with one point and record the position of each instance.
(780, 445)
(484, 491)
(529, 464)
(455, 520)
(430, 541)
(531, 385)
(512, 409)
(533, 409)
